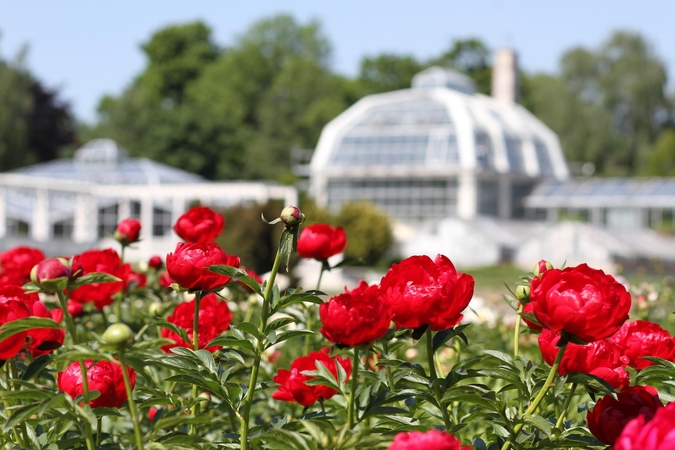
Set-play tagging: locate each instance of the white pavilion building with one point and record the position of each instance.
(68, 205)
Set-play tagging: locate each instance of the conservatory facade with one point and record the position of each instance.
(77, 203)
(433, 151)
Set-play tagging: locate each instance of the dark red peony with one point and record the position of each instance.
(165, 280)
(39, 341)
(128, 231)
(200, 225)
(75, 309)
(429, 440)
(599, 358)
(105, 261)
(103, 376)
(655, 434)
(214, 318)
(188, 264)
(292, 386)
(356, 317)
(135, 280)
(644, 338)
(16, 264)
(528, 309)
(155, 262)
(609, 416)
(11, 310)
(425, 292)
(581, 301)
(321, 241)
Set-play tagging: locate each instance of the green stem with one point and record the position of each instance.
(538, 398)
(323, 268)
(433, 376)
(195, 346)
(390, 377)
(352, 392)
(516, 333)
(98, 430)
(566, 406)
(132, 403)
(248, 399)
(12, 375)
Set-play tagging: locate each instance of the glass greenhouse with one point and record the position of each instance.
(436, 150)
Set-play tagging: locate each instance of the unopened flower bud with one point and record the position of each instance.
(118, 335)
(541, 267)
(75, 309)
(128, 231)
(155, 309)
(155, 262)
(51, 274)
(523, 293)
(292, 216)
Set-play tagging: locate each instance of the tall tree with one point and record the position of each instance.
(471, 57)
(387, 72)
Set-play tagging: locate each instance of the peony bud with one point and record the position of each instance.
(118, 335)
(155, 309)
(155, 262)
(51, 274)
(292, 216)
(541, 267)
(128, 231)
(523, 293)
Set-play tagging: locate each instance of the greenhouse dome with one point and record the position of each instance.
(436, 150)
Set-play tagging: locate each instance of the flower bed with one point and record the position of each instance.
(205, 354)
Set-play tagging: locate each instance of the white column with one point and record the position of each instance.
(177, 208)
(124, 211)
(504, 197)
(146, 219)
(467, 195)
(40, 227)
(85, 226)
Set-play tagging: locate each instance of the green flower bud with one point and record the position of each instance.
(523, 293)
(292, 216)
(118, 335)
(155, 309)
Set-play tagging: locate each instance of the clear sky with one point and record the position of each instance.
(91, 48)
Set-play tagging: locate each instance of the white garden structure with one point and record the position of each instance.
(74, 204)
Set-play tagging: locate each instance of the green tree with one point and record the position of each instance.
(368, 230)
(387, 72)
(471, 57)
(661, 160)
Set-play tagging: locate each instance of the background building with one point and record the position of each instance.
(68, 205)
(437, 150)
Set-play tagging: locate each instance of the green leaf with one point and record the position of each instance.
(231, 341)
(17, 326)
(539, 422)
(176, 329)
(36, 366)
(207, 360)
(250, 329)
(170, 422)
(92, 278)
(591, 381)
(20, 415)
(501, 356)
(293, 333)
(237, 275)
(511, 301)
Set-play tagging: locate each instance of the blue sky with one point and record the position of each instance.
(91, 48)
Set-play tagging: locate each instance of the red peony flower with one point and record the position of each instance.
(430, 440)
(135, 280)
(643, 338)
(106, 261)
(609, 416)
(40, 341)
(581, 301)
(75, 309)
(21, 259)
(165, 280)
(200, 225)
(155, 262)
(128, 231)
(103, 376)
(214, 318)
(599, 358)
(13, 278)
(655, 434)
(529, 308)
(292, 386)
(356, 317)
(188, 266)
(425, 292)
(11, 310)
(321, 241)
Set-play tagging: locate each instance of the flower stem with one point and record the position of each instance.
(98, 430)
(566, 406)
(516, 333)
(248, 399)
(433, 376)
(390, 378)
(132, 403)
(352, 392)
(538, 398)
(195, 346)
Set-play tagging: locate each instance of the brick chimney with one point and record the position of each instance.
(505, 85)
